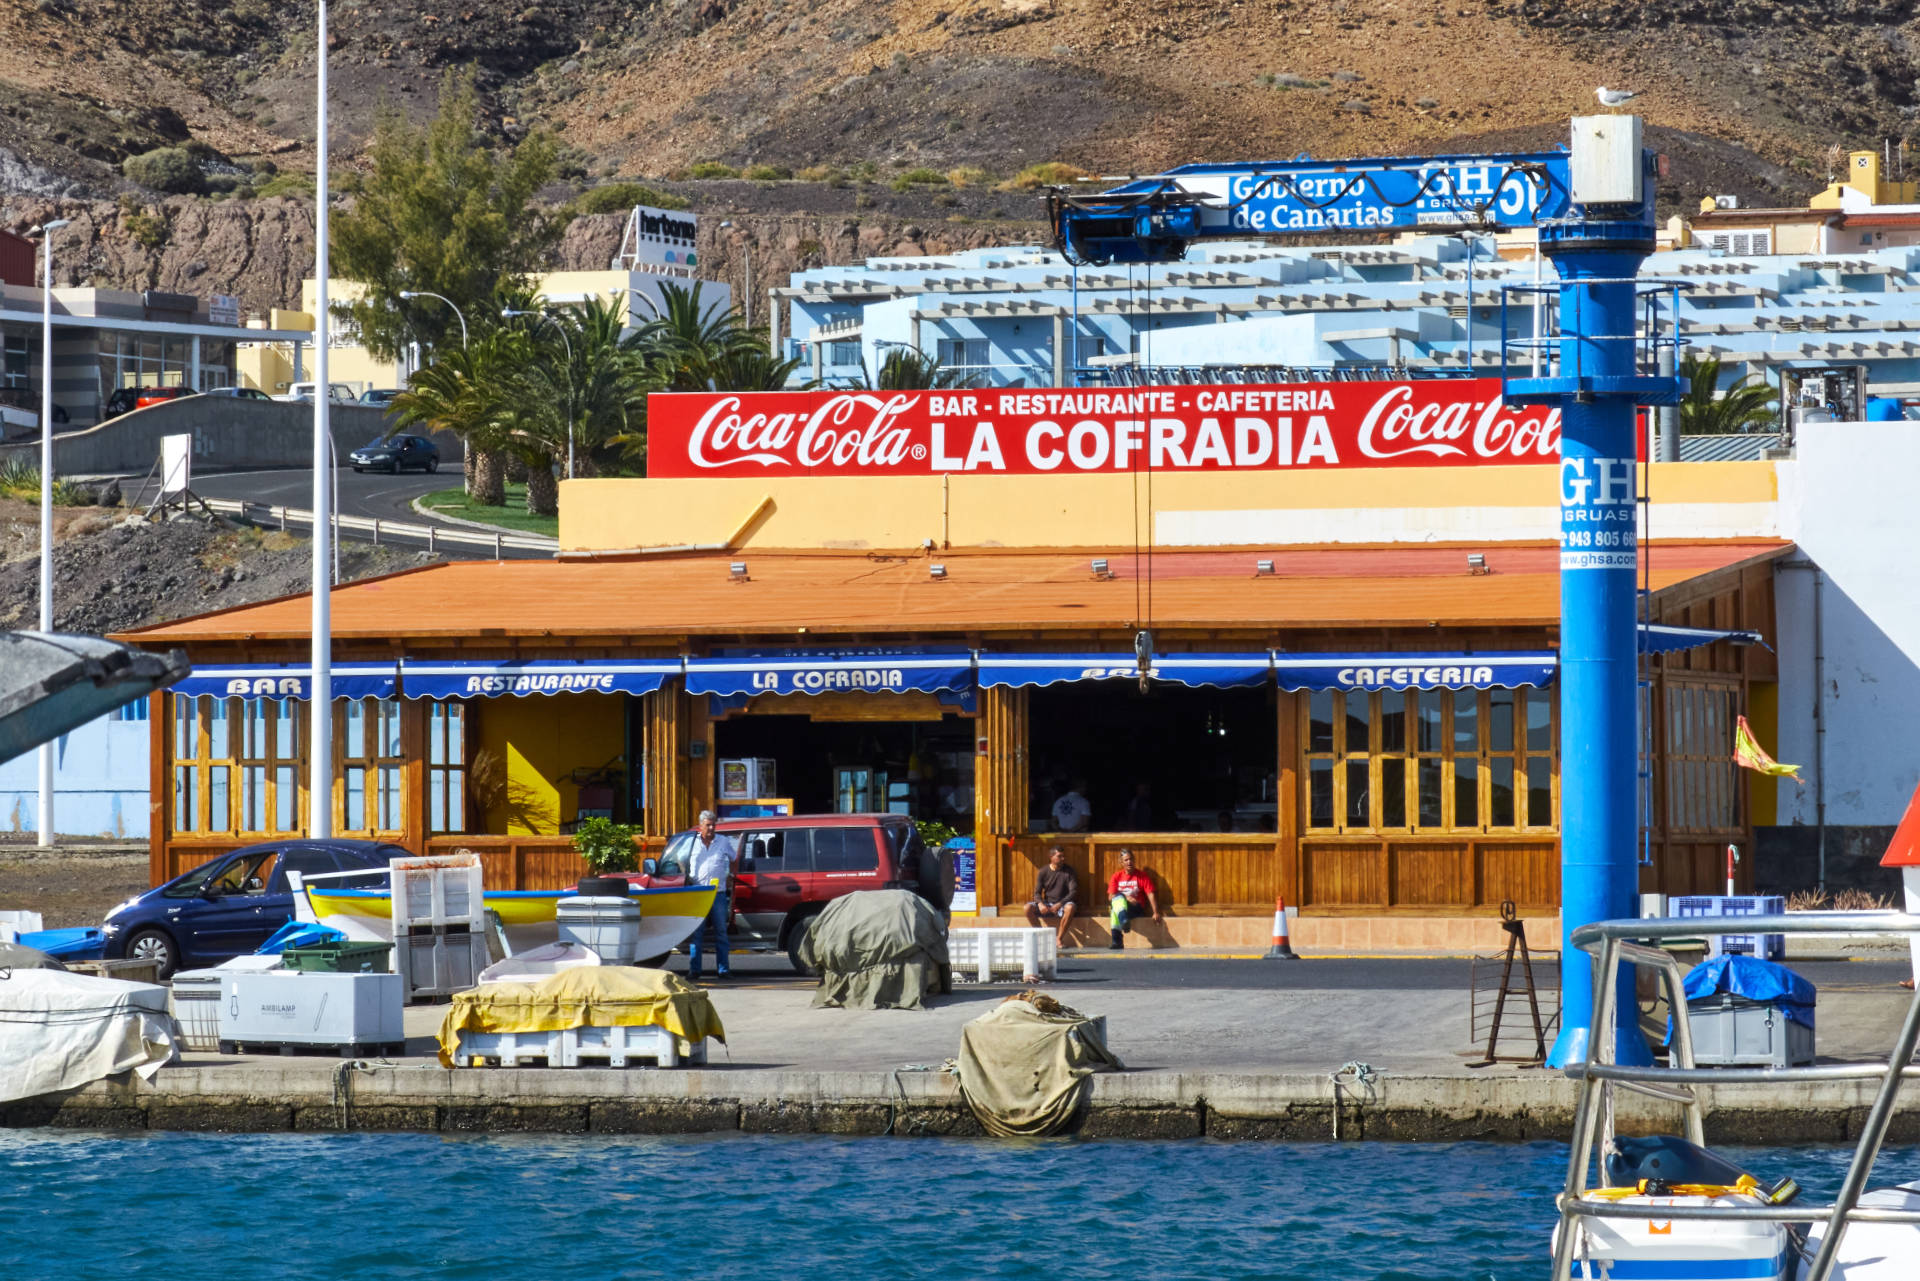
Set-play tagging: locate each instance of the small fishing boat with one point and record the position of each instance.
(668, 916)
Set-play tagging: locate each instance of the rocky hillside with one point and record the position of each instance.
(1747, 95)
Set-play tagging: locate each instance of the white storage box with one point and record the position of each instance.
(607, 926)
(194, 1002)
(437, 891)
(1768, 947)
(288, 1010)
(439, 960)
(14, 923)
(1665, 1249)
(981, 954)
(618, 1047)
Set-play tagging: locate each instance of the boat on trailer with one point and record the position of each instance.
(1697, 1216)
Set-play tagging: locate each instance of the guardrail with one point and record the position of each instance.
(393, 532)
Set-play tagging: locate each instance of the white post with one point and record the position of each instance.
(746, 250)
(320, 703)
(46, 496)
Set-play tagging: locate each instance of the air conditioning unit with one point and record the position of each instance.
(1726, 202)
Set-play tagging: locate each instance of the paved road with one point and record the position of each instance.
(370, 494)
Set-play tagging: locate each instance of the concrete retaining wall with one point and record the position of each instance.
(320, 1095)
(228, 434)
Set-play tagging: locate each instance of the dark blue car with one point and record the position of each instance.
(229, 905)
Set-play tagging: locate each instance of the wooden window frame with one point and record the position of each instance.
(271, 763)
(1700, 782)
(200, 763)
(436, 718)
(1525, 822)
(376, 764)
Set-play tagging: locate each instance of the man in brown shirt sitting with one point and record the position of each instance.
(1054, 892)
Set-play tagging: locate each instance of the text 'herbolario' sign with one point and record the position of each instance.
(1451, 422)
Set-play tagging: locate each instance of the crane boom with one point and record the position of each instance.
(1156, 218)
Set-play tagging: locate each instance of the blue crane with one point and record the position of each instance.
(1593, 205)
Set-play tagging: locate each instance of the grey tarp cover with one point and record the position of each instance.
(1023, 1069)
(60, 1030)
(877, 950)
(15, 956)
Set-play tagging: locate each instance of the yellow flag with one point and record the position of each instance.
(1748, 752)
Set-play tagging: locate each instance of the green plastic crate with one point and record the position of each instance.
(340, 958)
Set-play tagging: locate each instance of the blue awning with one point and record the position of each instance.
(287, 680)
(472, 678)
(784, 672)
(1659, 638)
(1413, 671)
(1184, 669)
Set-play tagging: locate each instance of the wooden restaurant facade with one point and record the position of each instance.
(1370, 731)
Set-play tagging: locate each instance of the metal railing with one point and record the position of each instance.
(394, 532)
(1614, 943)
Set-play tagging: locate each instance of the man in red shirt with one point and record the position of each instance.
(1130, 894)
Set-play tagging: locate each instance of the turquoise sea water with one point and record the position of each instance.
(375, 1207)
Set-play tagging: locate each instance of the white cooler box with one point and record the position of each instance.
(288, 1010)
(606, 926)
(194, 999)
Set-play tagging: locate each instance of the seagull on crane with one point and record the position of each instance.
(1614, 97)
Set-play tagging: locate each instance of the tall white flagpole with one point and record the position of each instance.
(320, 704)
(46, 495)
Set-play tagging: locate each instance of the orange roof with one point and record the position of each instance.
(983, 591)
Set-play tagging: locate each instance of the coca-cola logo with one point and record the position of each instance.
(1395, 426)
(853, 429)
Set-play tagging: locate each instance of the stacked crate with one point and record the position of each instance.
(439, 924)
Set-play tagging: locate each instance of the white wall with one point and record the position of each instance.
(1851, 500)
(100, 783)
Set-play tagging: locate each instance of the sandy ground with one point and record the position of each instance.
(70, 888)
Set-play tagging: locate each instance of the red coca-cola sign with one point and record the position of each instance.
(1453, 422)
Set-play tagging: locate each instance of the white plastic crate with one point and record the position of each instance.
(1768, 947)
(618, 1047)
(606, 926)
(14, 923)
(980, 954)
(194, 1002)
(439, 961)
(437, 891)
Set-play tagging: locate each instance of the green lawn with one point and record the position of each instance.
(454, 502)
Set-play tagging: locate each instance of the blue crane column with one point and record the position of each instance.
(1598, 390)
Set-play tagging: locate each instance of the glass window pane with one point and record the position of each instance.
(389, 798)
(456, 802)
(389, 727)
(1500, 792)
(1320, 721)
(286, 799)
(1320, 793)
(1466, 721)
(186, 728)
(1539, 720)
(457, 734)
(1428, 784)
(1539, 791)
(1359, 722)
(1393, 721)
(436, 733)
(1466, 792)
(355, 818)
(1393, 791)
(1430, 704)
(353, 739)
(219, 815)
(1500, 720)
(284, 731)
(186, 814)
(1359, 803)
(219, 741)
(437, 801)
(257, 710)
(253, 795)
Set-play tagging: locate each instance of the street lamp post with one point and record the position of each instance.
(746, 253)
(423, 293)
(320, 702)
(45, 231)
(646, 298)
(509, 313)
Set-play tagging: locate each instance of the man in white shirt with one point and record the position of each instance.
(711, 863)
(1071, 813)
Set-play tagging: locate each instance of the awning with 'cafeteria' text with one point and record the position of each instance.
(287, 680)
(1387, 671)
(1225, 670)
(776, 672)
(465, 678)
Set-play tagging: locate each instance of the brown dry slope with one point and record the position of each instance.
(645, 86)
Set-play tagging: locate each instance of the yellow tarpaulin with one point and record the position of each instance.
(586, 996)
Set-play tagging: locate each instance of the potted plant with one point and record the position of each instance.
(607, 849)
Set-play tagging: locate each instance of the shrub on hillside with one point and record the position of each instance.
(169, 169)
(1053, 173)
(768, 173)
(712, 169)
(618, 197)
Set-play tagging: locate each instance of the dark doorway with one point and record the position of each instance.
(920, 768)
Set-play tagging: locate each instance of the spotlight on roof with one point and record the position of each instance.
(937, 571)
(1264, 568)
(1101, 570)
(1477, 563)
(737, 571)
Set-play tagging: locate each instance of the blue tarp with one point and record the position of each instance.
(66, 945)
(1756, 980)
(788, 672)
(299, 934)
(460, 678)
(287, 680)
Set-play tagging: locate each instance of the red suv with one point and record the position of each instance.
(790, 868)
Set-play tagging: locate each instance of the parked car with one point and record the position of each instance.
(792, 867)
(396, 454)
(231, 904)
(379, 397)
(302, 394)
(144, 396)
(240, 393)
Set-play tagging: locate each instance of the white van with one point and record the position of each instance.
(297, 393)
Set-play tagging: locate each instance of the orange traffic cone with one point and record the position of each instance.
(1281, 950)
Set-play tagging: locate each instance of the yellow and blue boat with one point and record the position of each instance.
(668, 916)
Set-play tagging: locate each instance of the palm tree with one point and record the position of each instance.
(464, 391)
(688, 346)
(906, 369)
(1745, 406)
